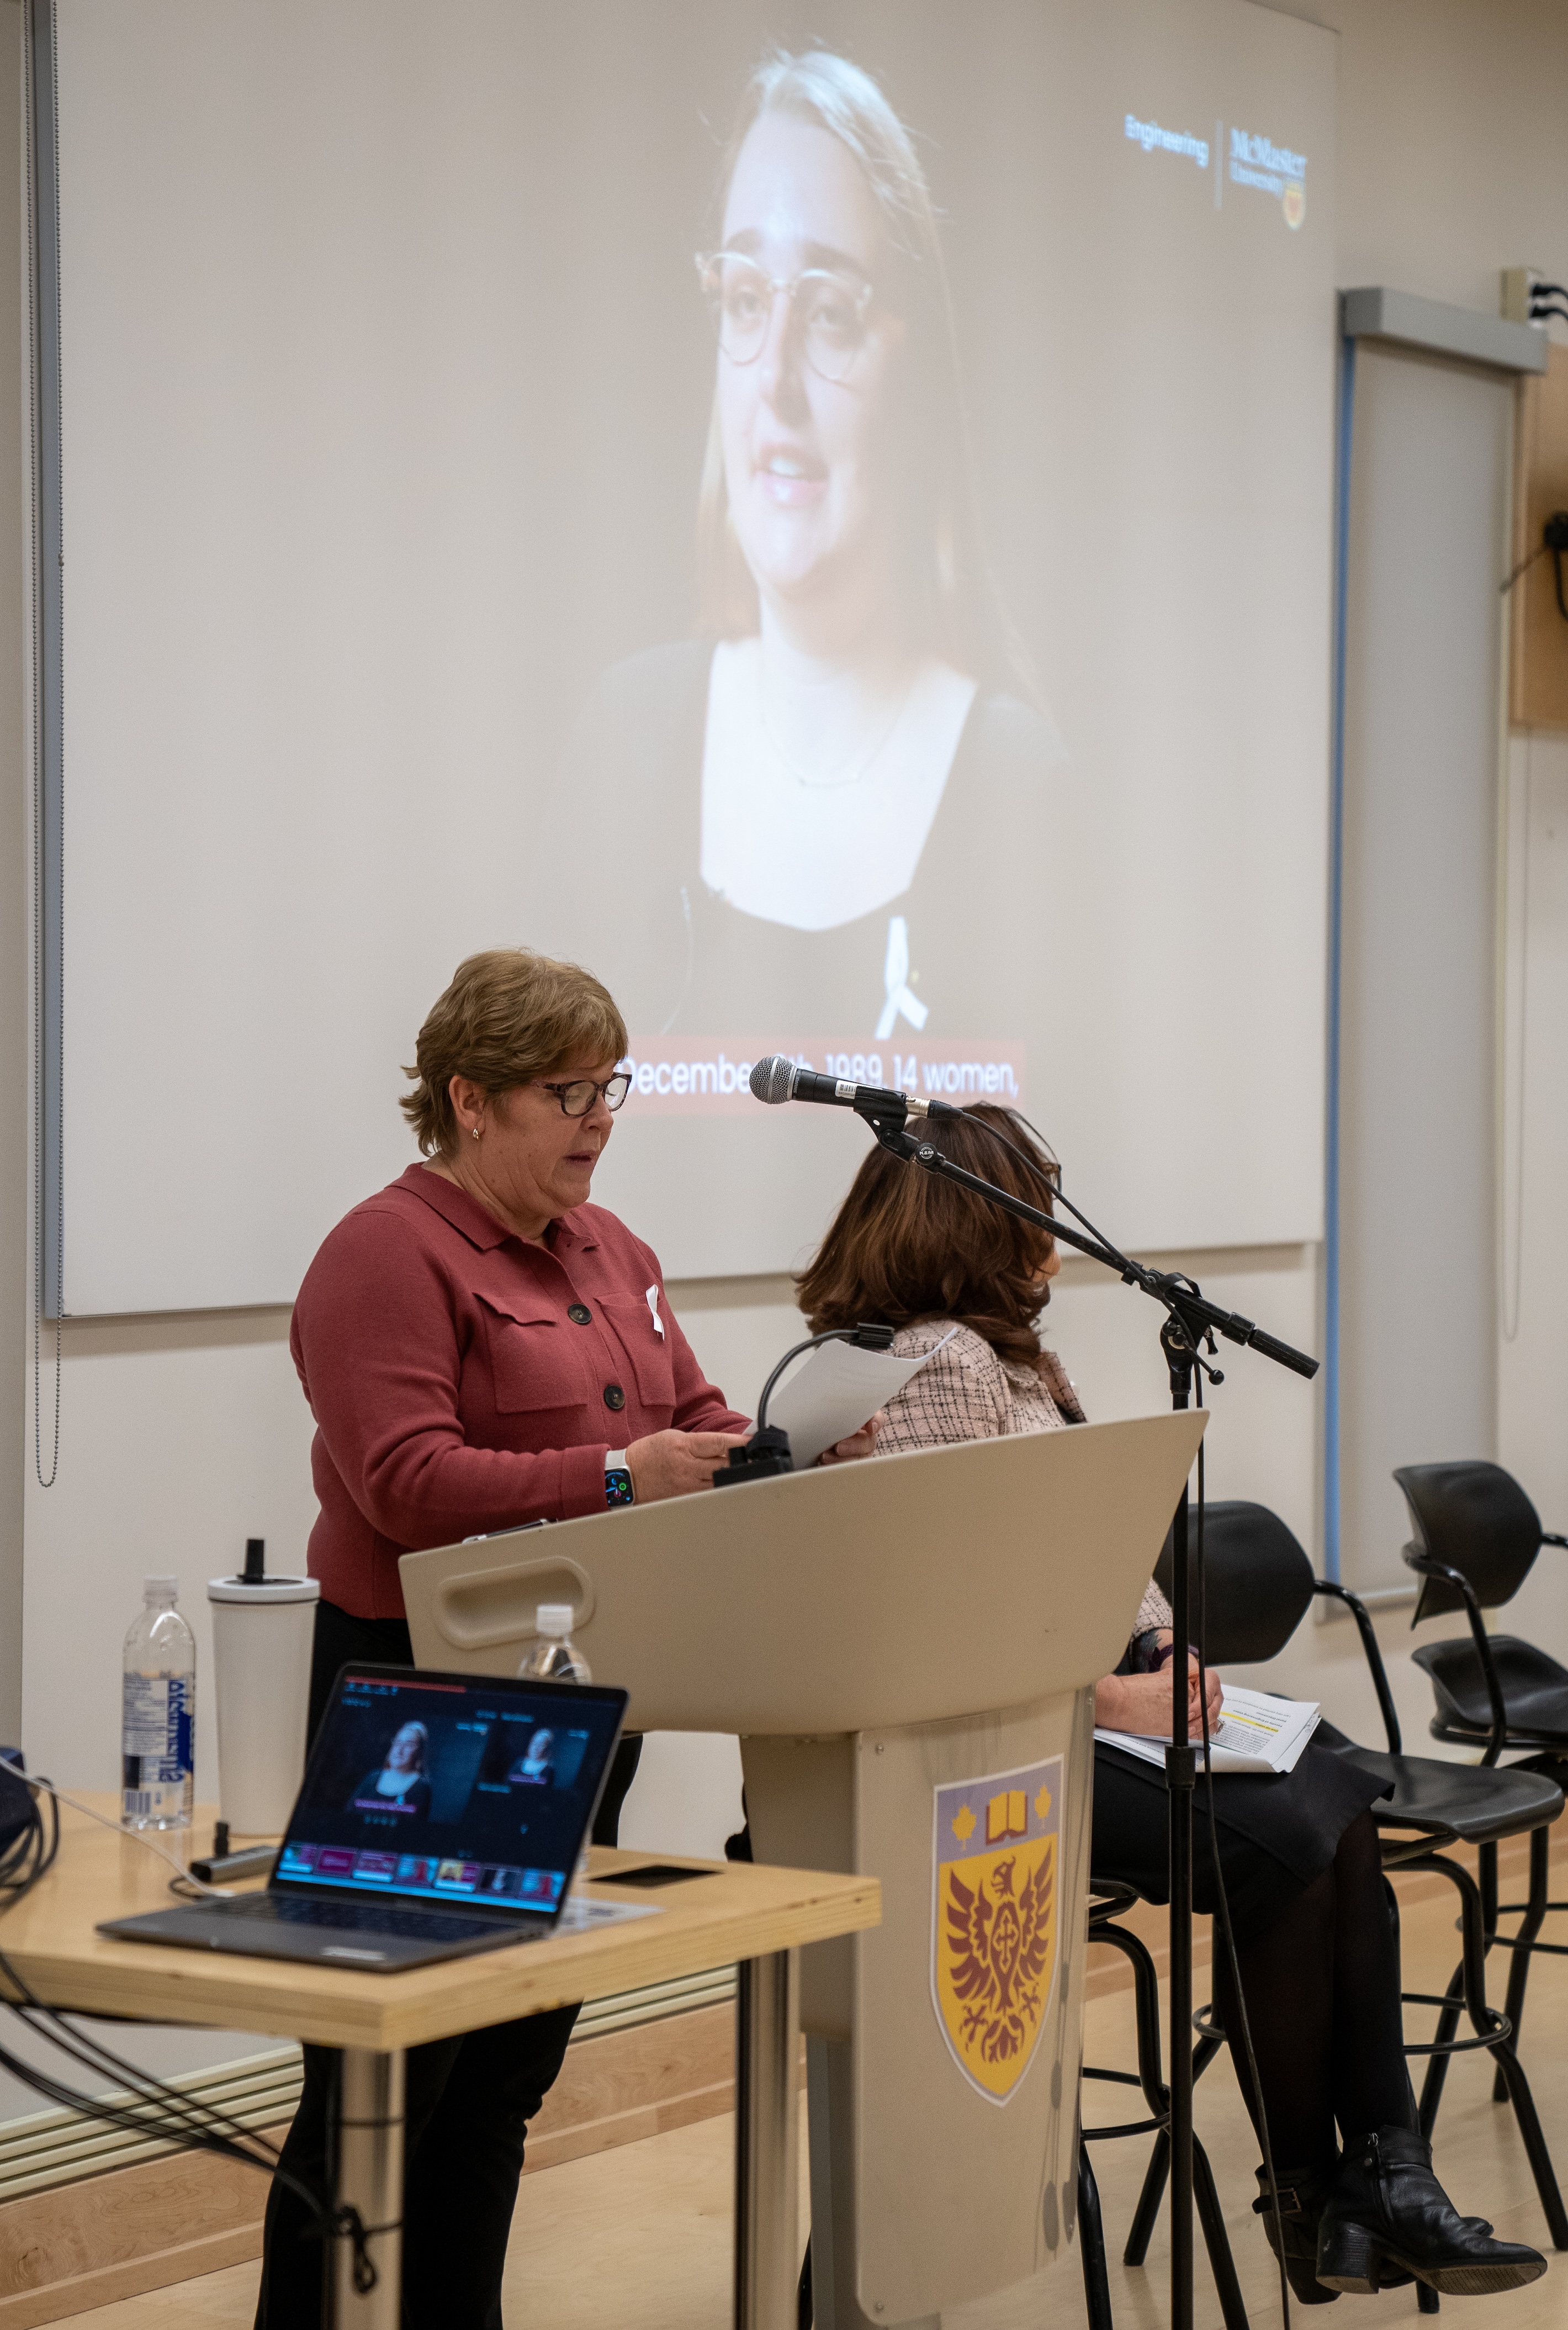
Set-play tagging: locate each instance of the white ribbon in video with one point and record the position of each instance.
(896, 981)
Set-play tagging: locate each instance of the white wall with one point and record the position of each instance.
(15, 862)
(1418, 1069)
(183, 1436)
(1533, 1357)
(1452, 165)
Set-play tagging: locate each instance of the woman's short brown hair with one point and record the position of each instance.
(509, 1015)
(905, 1246)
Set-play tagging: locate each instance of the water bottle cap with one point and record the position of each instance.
(161, 1589)
(553, 1618)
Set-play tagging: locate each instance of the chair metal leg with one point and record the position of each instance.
(1436, 2070)
(1145, 2216)
(1157, 2095)
(1535, 1918)
(1486, 2020)
(1540, 2159)
(1212, 2218)
(1488, 1860)
(1092, 2246)
(1145, 2012)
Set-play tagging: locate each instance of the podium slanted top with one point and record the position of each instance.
(904, 1589)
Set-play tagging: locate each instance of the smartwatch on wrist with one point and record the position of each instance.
(617, 1488)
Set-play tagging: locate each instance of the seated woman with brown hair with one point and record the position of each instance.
(1316, 1950)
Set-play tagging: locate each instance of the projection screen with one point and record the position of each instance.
(822, 515)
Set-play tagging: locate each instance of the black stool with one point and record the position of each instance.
(1477, 1537)
(1258, 1584)
(1107, 1900)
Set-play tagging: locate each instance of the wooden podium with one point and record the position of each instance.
(907, 1649)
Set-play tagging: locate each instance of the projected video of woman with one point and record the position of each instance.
(536, 1767)
(402, 1784)
(801, 795)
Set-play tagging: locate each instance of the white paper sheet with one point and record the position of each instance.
(1256, 1733)
(834, 1392)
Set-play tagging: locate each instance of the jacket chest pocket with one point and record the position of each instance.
(531, 1365)
(646, 1348)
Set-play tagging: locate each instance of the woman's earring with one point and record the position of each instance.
(475, 1133)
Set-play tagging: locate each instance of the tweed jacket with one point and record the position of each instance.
(969, 1392)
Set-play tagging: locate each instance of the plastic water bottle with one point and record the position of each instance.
(555, 1657)
(158, 1727)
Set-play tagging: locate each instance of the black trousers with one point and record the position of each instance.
(468, 2104)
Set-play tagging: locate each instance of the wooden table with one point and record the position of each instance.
(754, 1919)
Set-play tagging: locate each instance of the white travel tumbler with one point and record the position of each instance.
(262, 1632)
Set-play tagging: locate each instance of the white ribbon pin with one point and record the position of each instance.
(896, 981)
(652, 1299)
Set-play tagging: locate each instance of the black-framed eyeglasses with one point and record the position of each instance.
(578, 1097)
(828, 310)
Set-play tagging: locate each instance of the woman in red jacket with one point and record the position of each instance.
(480, 1347)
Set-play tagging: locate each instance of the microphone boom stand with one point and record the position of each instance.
(1191, 1324)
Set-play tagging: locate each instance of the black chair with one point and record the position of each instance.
(1257, 1585)
(1476, 1536)
(1107, 1900)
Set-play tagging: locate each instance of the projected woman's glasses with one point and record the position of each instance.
(828, 310)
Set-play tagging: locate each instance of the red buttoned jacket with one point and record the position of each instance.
(463, 1380)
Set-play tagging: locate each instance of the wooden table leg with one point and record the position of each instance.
(766, 2158)
(368, 2177)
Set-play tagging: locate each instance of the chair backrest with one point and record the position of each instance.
(1257, 1582)
(1473, 1518)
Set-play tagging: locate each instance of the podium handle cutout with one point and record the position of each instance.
(481, 1608)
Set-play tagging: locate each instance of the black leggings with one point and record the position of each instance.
(468, 2104)
(1318, 1957)
(1321, 1983)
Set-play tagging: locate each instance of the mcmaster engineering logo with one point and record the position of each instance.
(1258, 162)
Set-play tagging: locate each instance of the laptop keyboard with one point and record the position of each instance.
(356, 1918)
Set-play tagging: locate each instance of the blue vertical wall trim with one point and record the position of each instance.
(47, 629)
(1336, 967)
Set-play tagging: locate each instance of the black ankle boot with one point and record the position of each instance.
(1387, 2215)
(1302, 2194)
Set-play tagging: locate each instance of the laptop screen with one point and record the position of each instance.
(458, 1788)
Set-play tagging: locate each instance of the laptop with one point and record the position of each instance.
(440, 1814)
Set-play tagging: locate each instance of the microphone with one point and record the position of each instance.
(776, 1080)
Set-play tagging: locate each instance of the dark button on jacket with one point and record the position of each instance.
(446, 1400)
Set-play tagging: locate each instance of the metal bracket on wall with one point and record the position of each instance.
(1377, 313)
